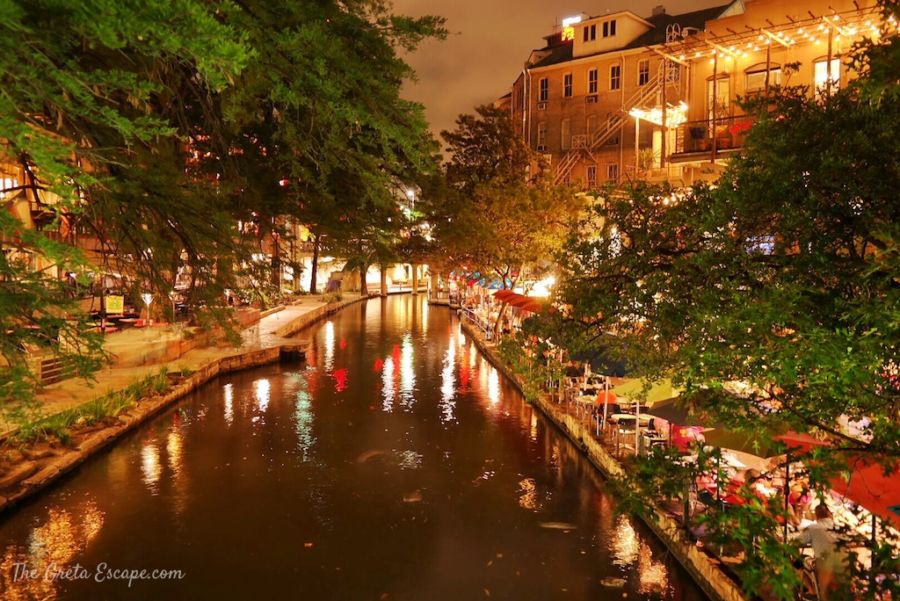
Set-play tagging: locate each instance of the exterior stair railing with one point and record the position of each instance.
(610, 127)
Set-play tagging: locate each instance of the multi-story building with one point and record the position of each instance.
(618, 95)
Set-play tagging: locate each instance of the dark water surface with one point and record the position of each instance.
(395, 464)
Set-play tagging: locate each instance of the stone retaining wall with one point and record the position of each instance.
(700, 566)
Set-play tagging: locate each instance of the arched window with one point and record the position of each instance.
(756, 76)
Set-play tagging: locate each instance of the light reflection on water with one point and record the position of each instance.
(53, 546)
(261, 392)
(448, 384)
(329, 345)
(407, 372)
(388, 389)
(228, 390)
(150, 466)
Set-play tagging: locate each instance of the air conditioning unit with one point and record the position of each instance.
(541, 147)
(541, 106)
(592, 99)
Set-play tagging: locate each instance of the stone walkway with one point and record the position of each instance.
(263, 334)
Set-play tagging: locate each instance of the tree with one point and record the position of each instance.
(485, 147)
(783, 277)
(84, 99)
(318, 112)
(491, 216)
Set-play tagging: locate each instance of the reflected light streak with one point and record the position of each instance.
(653, 575)
(387, 385)
(52, 547)
(624, 543)
(229, 403)
(262, 391)
(407, 373)
(494, 386)
(528, 496)
(174, 449)
(340, 379)
(448, 384)
(151, 469)
(329, 346)
(303, 417)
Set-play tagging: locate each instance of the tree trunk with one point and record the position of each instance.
(314, 268)
(384, 290)
(363, 285)
(415, 278)
(500, 315)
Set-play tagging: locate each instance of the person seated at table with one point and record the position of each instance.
(799, 501)
(830, 560)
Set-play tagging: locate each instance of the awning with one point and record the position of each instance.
(519, 301)
(866, 484)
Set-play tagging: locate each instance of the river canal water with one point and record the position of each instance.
(394, 464)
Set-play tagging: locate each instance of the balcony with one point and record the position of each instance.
(697, 140)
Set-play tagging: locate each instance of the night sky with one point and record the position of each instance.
(489, 43)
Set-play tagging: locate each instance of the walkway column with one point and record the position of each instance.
(434, 285)
(415, 278)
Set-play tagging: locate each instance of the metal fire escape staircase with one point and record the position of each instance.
(584, 149)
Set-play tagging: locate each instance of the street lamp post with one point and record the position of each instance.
(148, 300)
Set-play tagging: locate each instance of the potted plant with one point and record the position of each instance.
(699, 138)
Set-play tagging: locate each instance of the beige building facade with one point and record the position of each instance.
(622, 96)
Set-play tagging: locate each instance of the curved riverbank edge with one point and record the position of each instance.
(34, 481)
(714, 582)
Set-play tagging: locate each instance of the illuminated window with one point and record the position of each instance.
(643, 72)
(822, 68)
(567, 85)
(615, 77)
(612, 172)
(544, 90)
(591, 176)
(718, 95)
(566, 134)
(590, 33)
(756, 78)
(592, 81)
(609, 28)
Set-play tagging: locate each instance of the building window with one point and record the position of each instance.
(592, 176)
(718, 94)
(590, 33)
(566, 134)
(591, 125)
(615, 77)
(821, 74)
(592, 81)
(544, 90)
(643, 72)
(612, 172)
(542, 135)
(756, 78)
(609, 28)
(567, 85)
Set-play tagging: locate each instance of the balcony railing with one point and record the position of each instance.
(726, 133)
